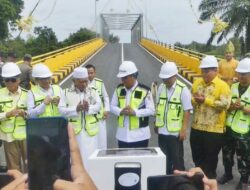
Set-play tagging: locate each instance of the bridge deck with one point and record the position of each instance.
(107, 62)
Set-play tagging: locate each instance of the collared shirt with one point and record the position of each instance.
(210, 116)
(74, 96)
(124, 133)
(34, 110)
(227, 70)
(15, 97)
(25, 76)
(104, 94)
(185, 101)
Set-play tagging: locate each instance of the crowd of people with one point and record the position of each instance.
(219, 100)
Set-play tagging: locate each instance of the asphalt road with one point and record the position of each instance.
(107, 63)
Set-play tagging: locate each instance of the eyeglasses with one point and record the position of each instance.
(10, 80)
(44, 79)
(207, 70)
(124, 78)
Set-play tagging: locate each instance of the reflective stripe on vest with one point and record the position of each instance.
(136, 100)
(90, 121)
(14, 125)
(174, 115)
(50, 109)
(98, 86)
(239, 122)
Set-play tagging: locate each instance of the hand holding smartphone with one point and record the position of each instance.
(48, 152)
(169, 182)
(5, 179)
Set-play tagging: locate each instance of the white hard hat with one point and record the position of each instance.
(168, 70)
(10, 70)
(126, 68)
(80, 72)
(41, 71)
(243, 66)
(209, 62)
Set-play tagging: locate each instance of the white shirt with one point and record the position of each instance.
(34, 110)
(74, 96)
(125, 134)
(104, 95)
(185, 101)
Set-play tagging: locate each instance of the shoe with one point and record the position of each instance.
(224, 179)
(242, 186)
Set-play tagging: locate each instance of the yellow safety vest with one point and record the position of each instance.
(173, 119)
(136, 102)
(237, 120)
(90, 121)
(14, 125)
(98, 86)
(51, 110)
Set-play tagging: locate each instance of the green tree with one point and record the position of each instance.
(44, 41)
(9, 11)
(83, 34)
(235, 12)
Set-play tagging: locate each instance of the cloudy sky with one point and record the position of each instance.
(173, 20)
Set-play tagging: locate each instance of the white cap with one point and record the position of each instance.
(80, 73)
(168, 70)
(10, 70)
(41, 71)
(209, 62)
(126, 68)
(243, 66)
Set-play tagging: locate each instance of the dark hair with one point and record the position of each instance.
(27, 57)
(12, 54)
(90, 66)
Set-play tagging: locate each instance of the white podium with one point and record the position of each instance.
(102, 162)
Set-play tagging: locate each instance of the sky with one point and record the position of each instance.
(173, 20)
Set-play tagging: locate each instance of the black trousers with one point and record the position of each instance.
(205, 148)
(228, 151)
(138, 144)
(172, 147)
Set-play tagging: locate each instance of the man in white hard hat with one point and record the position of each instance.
(238, 120)
(132, 102)
(172, 116)
(211, 99)
(43, 98)
(81, 107)
(105, 108)
(13, 103)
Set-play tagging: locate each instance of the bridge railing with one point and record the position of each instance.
(188, 61)
(62, 62)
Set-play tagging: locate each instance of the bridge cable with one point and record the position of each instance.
(96, 19)
(147, 20)
(50, 13)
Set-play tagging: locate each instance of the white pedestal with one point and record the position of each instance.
(101, 165)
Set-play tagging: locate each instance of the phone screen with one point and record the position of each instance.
(169, 182)
(127, 176)
(48, 152)
(5, 179)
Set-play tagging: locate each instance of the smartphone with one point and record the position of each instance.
(47, 152)
(127, 176)
(5, 179)
(170, 182)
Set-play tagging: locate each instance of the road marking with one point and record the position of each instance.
(64, 80)
(182, 78)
